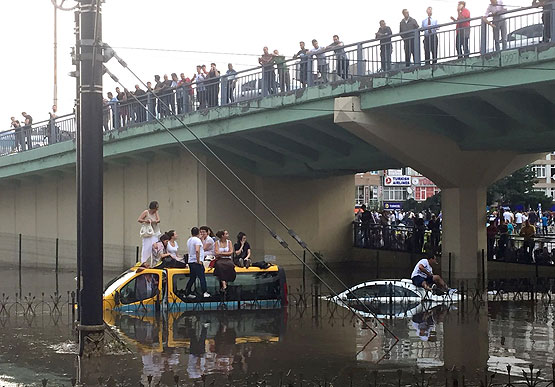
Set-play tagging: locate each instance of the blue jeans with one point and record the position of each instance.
(197, 271)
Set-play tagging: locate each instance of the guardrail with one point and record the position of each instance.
(394, 238)
(376, 57)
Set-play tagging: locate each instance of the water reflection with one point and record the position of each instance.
(213, 342)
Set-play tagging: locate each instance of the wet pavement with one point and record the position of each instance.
(308, 338)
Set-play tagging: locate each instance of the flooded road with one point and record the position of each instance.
(305, 340)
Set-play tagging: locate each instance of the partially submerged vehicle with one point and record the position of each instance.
(392, 298)
(150, 289)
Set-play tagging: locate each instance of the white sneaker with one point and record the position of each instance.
(191, 296)
(206, 295)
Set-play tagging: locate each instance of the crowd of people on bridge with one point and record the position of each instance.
(534, 229)
(203, 250)
(208, 87)
(415, 231)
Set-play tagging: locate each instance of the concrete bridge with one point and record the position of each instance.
(464, 123)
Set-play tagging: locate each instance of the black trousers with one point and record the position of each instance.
(409, 50)
(462, 43)
(342, 67)
(430, 48)
(385, 56)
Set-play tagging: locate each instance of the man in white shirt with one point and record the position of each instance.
(321, 60)
(496, 9)
(518, 221)
(430, 37)
(196, 252)
(508, 216)
(423, 276)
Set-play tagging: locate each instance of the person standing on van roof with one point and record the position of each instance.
(196, 252)
(149, 235)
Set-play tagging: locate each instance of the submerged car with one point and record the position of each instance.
(391, 298)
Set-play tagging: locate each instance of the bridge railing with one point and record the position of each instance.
(36, 135)
(376, 57)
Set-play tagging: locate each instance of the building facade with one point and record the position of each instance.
(545, 173)
(391, 187)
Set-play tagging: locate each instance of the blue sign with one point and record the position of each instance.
(393, 206)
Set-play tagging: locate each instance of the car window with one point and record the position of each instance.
(247, 286)
(382, 290)
(140, 288)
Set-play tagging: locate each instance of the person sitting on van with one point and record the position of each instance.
(166, 255)
(242, 251)
(207, 243)
(423, 276)
(224, 268)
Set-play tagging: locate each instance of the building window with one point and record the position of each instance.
(359, 195)
(373, 192)
(394, 193)
(540, 171)
(551, 192)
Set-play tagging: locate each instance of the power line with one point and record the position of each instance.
(257, 198)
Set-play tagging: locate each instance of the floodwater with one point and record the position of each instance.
(306, 340)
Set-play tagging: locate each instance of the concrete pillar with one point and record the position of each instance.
(464, 233)
(462, 175)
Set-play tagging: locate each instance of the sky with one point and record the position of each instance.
(208, 30)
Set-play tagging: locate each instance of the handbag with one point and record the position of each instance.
(146, 230)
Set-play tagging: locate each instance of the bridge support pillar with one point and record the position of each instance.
(462, 175)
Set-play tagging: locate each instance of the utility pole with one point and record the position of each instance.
(55, 102)
(89, 179)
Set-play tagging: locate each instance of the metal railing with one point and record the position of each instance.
(376, 57)
(395, 238)
(539, 250)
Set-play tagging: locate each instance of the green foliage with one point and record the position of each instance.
(518, 188)
(433, 203)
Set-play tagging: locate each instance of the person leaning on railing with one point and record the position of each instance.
(283, 72)
(528, 231)
(28, 130)
(496, 10)
(548, 7)
(341, 60)
(384, 34)
(302, 75)
(18, 134)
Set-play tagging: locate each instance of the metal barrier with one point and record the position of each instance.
(376, 57)
(515, 249)
(395, 238)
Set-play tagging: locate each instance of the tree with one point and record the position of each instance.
(518, 189)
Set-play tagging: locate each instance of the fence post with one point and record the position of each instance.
(224, 91)
(265, 81)
(552, 24)
(304, 270)
(57, 261)
(52, 130)
(483, 270)
(417, 48)
(148, 106)
(450, 256)
(117, 122)
(309, 73)
(19, 256)
(483, 38)
(360, 60)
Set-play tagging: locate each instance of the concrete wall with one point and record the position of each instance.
(44, 208)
